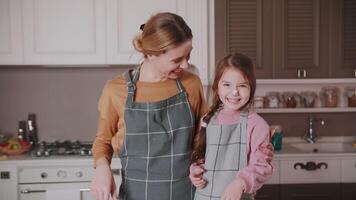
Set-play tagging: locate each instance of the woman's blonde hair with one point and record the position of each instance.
(161, 32)
(236, 61)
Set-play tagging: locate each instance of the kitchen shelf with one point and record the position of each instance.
(305, 110)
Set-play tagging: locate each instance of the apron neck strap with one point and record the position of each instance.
(131, 83)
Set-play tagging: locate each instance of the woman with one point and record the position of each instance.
(148, 117)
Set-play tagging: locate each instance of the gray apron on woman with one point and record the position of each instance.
(156, 152)
(226, 154)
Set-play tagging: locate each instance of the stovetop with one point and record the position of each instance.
(62, 148)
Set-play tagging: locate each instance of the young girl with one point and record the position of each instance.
(232, 139)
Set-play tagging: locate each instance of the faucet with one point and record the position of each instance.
(311, 135)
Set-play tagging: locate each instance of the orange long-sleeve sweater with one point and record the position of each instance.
(111, 126)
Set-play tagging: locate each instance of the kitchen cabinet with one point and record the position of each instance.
(310, 191)
(8, 181)
(245, 26)
(268, 192)
(64, 32)
(11, 48)
(348, 191)
(343, 43)
(290, 38)
(96, 32)
(301, 38)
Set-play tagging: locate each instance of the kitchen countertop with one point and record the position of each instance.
(326, 147)
(342, 145)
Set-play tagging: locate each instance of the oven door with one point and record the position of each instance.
(40, 191)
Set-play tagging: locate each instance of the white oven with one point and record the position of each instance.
(54, 182)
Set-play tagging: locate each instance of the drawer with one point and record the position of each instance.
(310, 171)
(53, 174)
(275, 176)
(348, 171)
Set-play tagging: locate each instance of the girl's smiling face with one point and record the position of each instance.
(233, 89)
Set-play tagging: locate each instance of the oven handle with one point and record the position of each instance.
(26, 191)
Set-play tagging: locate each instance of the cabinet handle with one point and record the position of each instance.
(311, 166)
(26, 191)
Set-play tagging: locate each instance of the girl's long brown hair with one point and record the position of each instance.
(236, 61)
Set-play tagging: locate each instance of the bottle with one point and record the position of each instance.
(277, 138)
(21, 131)
(32, 129)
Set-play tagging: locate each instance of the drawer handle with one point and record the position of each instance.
(26, 191)
(310, 166)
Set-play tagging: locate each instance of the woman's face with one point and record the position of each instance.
(171, 63)
(233, 89)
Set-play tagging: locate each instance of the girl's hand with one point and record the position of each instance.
(233, 191)
(267, 150)
(196, 174)
(103, 185)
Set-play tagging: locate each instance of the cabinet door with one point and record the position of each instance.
(268, 192)
(125, 17)
(10, 32)
(301, 38)
(348, 191)
(8, 181)
(310, 191)
(343, 40)
(245, 26)
(64, 31)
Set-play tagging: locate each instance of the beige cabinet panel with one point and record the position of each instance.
(10, 32)
(64, 32)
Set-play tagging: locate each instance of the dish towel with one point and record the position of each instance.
(63, 194)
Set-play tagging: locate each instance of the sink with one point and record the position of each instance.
(324, 147)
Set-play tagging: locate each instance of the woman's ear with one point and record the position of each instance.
(151, 57)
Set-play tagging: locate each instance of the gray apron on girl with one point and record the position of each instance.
(226, 154)
(156, 152)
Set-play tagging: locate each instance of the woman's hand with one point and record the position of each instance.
(233, 191)
(196, 174)
(103, 185)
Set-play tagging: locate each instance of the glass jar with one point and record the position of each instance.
(291, 99)
(272, 100)
(330, 96)
(351, 96)
(308, 99)
(258, 102)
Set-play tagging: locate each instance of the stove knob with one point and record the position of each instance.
(44, 175)
(79, 174)
(62, 174)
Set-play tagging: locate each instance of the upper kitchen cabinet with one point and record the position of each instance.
(290, 38)
(90, 32)
(245, 26)
(124, 18)
(343, 38)
(64, 32)
(301, 38)
(10, 32)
